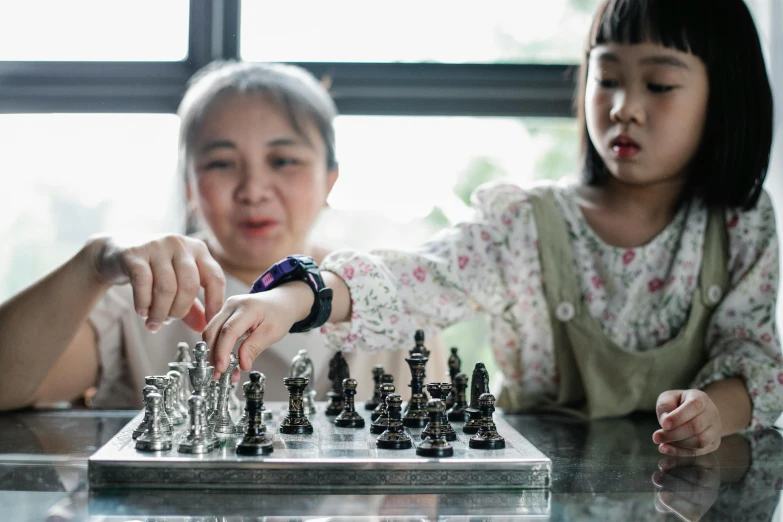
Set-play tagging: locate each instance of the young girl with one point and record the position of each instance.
(648, 285)
(257, 153)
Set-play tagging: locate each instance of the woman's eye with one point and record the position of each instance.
(659, 88)
(606, 84)
(219, 165)
(283, 162)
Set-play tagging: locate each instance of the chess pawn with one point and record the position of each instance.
(221, 420)
(183, 353)
(349, 417)
(457, 412)
(161, 382)
(436, 445)
(255, 440)
(338, 371)
(381, 422)
(196, 441)
(375, 401)
(416, 413)
(183, 390)
(386, 378)
(446, 431)
(478, 386)
(394, 437)
(418, 347)
(296, 421)
(487, 436)
(455, 366)
(156, 438)
(145, 423)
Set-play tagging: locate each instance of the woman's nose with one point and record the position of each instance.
(255, 185)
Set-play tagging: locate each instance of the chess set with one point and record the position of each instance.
(207, 439)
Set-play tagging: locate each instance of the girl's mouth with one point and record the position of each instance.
(624, 147)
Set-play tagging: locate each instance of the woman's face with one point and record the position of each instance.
(255, 183)
(645, 107)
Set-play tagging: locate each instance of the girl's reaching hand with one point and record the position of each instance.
(691, 423)
(264, 317)
(166, 275)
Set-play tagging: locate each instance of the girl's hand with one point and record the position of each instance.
(166, 275)
(264, 317)
(691, 423)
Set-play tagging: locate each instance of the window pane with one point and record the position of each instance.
(403, 178)
(68, 176)
(494, 31)
(94, 30)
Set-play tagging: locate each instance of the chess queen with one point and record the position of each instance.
(256, 158)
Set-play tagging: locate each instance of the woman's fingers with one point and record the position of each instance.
(164, 290)
(212, 280)
(187, 285)
(195, 319)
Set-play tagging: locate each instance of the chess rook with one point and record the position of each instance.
(255, 440)
(478, 386)
(435, 445)
(221, 420)
(374, 401)
(296, 421)
(455, 367)
(386, 378)
(487, 436)
(457, 412)
(338, 372)
(196, 441)
(349, 417)
(156, 438)
(381, 422)
(394, 437)
(416, 413)
(444, 428)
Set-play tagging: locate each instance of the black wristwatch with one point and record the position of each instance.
(299, 268)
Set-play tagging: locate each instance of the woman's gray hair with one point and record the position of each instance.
(294, 90)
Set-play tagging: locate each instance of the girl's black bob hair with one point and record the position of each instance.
(731, 163)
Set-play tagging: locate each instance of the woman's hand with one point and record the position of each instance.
(265, 318)
(166, 275)
(691, 423)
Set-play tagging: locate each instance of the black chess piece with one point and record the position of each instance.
(381, 423)
(457, 412)
(338, 372)
(416, 413)
(455, 366)
(448, 433)
(255, 440)
(478, 386)
(375, 400)
(394, 437)
(418, 347)
(386, 378)
(296, 421)
(487, 436)
(436, 445)
(349, 417)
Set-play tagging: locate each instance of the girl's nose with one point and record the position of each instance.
(627, 109)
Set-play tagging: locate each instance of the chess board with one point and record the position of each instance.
(331, 458)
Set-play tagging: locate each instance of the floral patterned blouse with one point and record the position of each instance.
(640, 296)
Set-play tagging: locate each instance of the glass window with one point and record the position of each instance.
(494, 31)
(68, 176)
(403, 178)
(92, 30)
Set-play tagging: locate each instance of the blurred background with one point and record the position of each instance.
(435, 98)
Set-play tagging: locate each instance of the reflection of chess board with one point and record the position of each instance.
(330, 458)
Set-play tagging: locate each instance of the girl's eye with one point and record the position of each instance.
(283, 162)
(606, 84)
(659, 88)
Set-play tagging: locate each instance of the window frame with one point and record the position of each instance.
(358, 88)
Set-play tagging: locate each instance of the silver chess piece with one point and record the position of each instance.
(183, 353)
(221, 420)
(183, 391)
(196, 441)
(235, 405)
(176, 394)
(302, 367)
(162, 382)
(212, 399)
(200, 374)
(156, 438)
(145, 423)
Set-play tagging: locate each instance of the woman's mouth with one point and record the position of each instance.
(257, 227)
(624, 147)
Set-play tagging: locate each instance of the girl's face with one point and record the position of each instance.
(257, 185)
(645, 107)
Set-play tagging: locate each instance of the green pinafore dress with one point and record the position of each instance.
(598, 378)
